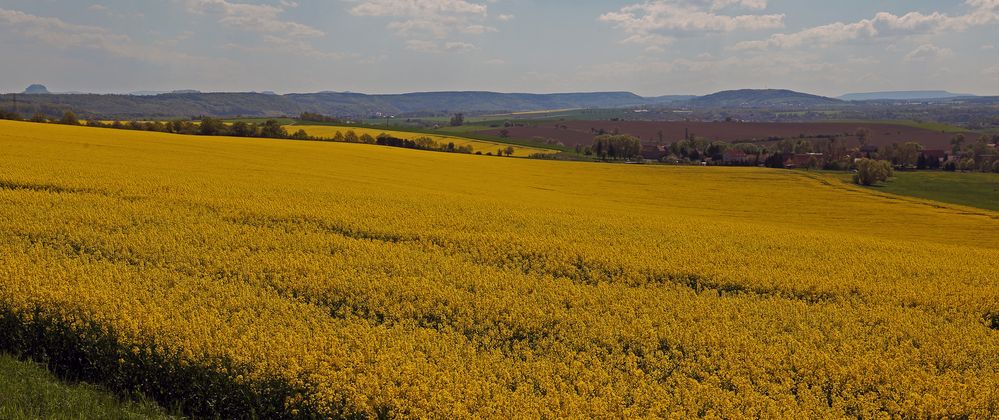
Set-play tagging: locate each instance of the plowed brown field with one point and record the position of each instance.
(572, 133)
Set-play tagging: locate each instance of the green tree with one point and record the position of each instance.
(717, 148)
(300, 135)
(509, 150)
(908, 153)
(457, 120)
(242, 129)
(351, 137)
(956, 142)
(211, 127)
(870, 171)
(617, 146)
(69, 118)
(274, 130)
(425, 143)
(863, 135)
(793, 146)
(367, 139)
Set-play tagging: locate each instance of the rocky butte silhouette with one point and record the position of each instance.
(36, 89)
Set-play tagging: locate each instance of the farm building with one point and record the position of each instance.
(803, 160)
(653, 152)
(866, 151)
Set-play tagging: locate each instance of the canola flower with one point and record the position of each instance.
(328, 279)
(481, 146)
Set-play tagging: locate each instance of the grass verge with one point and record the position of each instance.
(29, 391)
(973, 189)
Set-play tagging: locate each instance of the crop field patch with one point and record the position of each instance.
(481, 146)
(225, 276)
(572, 133)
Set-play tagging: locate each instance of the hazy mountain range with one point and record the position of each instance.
(187, 103)
(903, 95)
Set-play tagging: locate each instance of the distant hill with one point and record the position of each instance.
(188, 103)
(902, 95)
(748, 98)
(147, 92)
(192, 103)
(666, 99)
(161, 92)
(36, 90)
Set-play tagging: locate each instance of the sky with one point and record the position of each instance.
(656, 47)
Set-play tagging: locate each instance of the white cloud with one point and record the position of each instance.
(278, 35)
(417, 8)
(458, 47)
(991, 71)
(988, 47)
(927, 52)
(478, 29)
(427, 25)
(505, 18)
(261, 18)
(659, 22)
(436, 18)
(57, 33)
(649, 39)
(439, 47)
(746, 4)
(423, 46)
(706, 73)
(882, 25)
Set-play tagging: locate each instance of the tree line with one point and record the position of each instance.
(615, 146)
(269, 129)
(833, 153)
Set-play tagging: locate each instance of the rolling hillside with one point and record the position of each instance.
(481, 146)
(745, 98)
(173, 105)
(903, 95)
(226, 276)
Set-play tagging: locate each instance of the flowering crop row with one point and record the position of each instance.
(235, 276)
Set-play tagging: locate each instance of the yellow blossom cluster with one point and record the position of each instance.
(482, 146)
(324, 279)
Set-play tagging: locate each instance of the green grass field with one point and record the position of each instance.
(29, 391)
(283, 121)
(926, 125)
(968, 189)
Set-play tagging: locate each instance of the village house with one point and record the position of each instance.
(653, 151)
(867, 151)
(732, 156)
(803, 160)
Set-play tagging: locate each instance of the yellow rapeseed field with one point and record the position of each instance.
(328, 131)
(325, 279)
